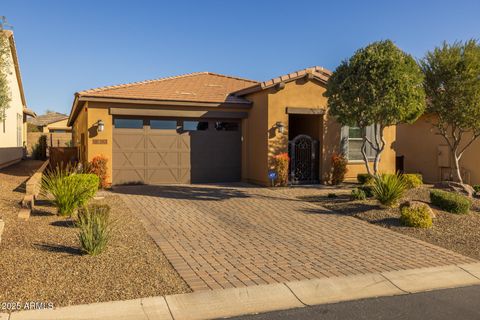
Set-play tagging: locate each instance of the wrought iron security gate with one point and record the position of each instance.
(303, 155)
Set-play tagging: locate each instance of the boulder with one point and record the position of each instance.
(457, 187)
(417, 204)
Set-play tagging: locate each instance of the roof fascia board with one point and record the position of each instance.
(246, 105)
(178, 113)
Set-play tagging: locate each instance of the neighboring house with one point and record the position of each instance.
(206, 127)
(54, 126)
(13, 133)
(51, 122)
(431, 154)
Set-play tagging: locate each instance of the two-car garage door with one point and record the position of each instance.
(163, 150)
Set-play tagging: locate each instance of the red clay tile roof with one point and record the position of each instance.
(193, 87)
(317, 72)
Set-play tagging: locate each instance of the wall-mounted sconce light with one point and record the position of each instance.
(280, 126)
(100, 126)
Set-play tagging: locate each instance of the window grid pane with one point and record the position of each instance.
(163, 124)
(129, 123)
(195, 125)
(355, 149)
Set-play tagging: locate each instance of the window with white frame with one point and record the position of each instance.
(355, 142)
(352, 140)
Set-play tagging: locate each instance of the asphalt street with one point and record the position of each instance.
(449, 304)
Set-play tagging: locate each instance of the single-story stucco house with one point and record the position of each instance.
(206, 127)
(431, 155)
(51, 122)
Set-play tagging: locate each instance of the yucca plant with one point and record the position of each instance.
(95, 228)
(388, 189)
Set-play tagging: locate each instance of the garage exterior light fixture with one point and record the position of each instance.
(280, 126)
(100, 126)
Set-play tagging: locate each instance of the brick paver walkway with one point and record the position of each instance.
(240, 235)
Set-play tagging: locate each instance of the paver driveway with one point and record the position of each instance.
(237, 235)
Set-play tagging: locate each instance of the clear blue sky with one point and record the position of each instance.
(68, 46)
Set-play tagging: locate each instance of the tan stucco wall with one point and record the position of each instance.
(79, 127)
(255, 135)
(99, 111)
(419, 144)
(8, 138)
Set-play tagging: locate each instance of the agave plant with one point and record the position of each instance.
(388, 189)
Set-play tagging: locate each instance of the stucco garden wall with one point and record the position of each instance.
(419, 144)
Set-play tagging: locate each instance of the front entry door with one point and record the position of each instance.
(303, 164)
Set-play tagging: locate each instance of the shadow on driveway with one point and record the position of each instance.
(191, 192)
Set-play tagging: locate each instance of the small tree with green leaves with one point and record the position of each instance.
(5, 96)
(379, 86)
(452, 85)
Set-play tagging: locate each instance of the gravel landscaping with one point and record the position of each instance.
(40, 260)
(459, 233)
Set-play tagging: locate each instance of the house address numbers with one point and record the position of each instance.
(99, 141)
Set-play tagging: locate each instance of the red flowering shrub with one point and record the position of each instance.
(339, 168)
(281, 162)
(98, 166)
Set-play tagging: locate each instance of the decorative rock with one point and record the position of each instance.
(457, 187)
(28, 201)
(2, 226)
(416, 204)
(24, 214)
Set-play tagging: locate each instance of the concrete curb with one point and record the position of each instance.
(257, 299)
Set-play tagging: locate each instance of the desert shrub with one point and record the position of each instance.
(418, 217)
(365, 178)
(281, 162)
(450, 202)
(476, 188)
(413, 180)
(389, 188)
(367, 189)
(358, 194)
(95, 228)
(98, 166)
(339, 168)
(68, 190)
(39, 150)
(87, 185)
(64, 193)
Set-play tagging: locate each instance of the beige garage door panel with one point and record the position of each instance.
(128, 156)
(156, 156)
(168, 157)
